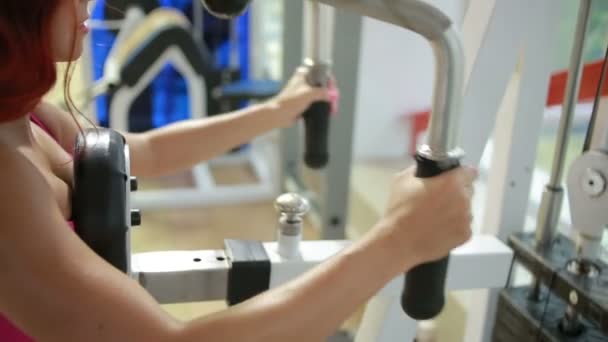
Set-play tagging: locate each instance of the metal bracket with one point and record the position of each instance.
(587, 192)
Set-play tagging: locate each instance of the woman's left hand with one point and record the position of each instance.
(296, 97)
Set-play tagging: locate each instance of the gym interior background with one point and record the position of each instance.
(384, 133)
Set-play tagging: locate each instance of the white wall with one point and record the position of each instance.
(396, 75)
(266, 25)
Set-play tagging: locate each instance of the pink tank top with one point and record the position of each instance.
(8, 331)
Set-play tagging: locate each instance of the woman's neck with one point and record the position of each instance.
(17, 132)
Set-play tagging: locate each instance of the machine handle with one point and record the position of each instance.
(316, 127)
(423, 293)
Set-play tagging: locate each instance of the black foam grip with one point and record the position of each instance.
(316, 123)
(423, 294)
(100, 195)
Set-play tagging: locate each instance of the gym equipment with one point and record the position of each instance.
(569, 305)
(206, 275)
(143, 46)
(423, 293)
(423, 296)
(119, 18)
(303, 23)
(244, 268)
(225, 89)
(317, 116)
(567, 300)
(440, 153)
(553, 195)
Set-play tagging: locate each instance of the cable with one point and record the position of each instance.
(547, 300)
(596, 104)
(542, 317)
(510, 274)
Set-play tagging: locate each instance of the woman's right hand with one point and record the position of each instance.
(426, 217)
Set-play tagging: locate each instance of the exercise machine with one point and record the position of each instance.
(148, 39)
(186, 276)
(567, 300)
(243, 268)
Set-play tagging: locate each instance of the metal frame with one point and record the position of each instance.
(569, 268)
(188, 276)
(440, 145)
(552, 199)
(511, 170)
(490, 71)
(331, 205)
(205, 191)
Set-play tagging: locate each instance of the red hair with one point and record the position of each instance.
(27, 66)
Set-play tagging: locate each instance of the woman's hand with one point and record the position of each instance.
(296, 97)
(426, 217)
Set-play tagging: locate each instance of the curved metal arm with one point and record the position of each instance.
(447, 96)
(438, 29)
(414, 15)
(423, 294)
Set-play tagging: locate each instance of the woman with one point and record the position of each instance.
(54, 288)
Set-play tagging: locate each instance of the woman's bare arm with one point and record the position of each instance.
(179, 146)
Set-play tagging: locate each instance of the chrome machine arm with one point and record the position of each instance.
(423, 296)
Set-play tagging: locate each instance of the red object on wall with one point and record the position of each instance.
(588, 89)
(555, 96)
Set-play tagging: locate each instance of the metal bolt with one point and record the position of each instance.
(292, 205)
(573, 296)
(135, 217)
(133, 183)
(593, 183)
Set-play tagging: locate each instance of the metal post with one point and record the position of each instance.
(315, 28)
(329, 206)
(292, 57)
(551, 204)
(198, 22)
(596, 106)
(347, 43)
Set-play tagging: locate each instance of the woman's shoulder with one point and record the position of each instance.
(62, 125)
(27, 201)
(18, 175)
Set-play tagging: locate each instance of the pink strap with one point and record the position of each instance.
(41, 124)
(10, 333)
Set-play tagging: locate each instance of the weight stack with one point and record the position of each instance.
(519, 319)
(522, 319)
